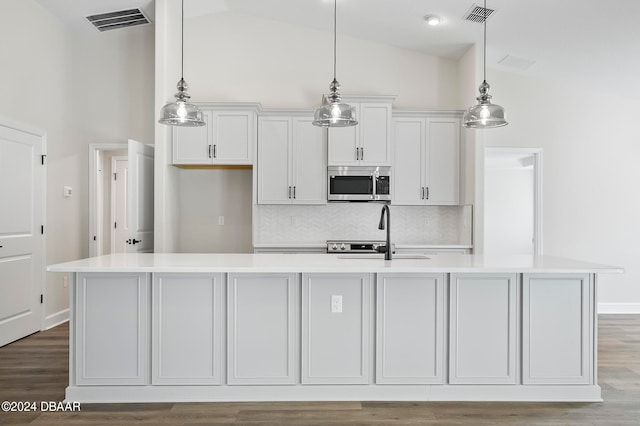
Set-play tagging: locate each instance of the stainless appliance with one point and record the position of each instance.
(358, 183)
(354, 247)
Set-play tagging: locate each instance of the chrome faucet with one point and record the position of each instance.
(387, 248)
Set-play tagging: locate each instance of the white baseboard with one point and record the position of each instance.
(619, 308)
(56, 319)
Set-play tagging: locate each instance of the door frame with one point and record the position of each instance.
(114, 160)
(96, 236)
(25, 128)
(537, 188)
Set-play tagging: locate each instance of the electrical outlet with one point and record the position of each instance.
(65, 281)
(294, 220)
(427, 222)
(220, 220)
(336, 303)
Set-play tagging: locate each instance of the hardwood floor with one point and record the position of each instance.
(36, 368)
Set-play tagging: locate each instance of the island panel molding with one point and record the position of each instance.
(187, 318)
(262, 334)
(112, 344)
(410, 354)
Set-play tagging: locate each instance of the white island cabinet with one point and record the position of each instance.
(319, 327)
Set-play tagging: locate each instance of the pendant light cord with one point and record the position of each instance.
(484, 71)
(335, 25)
(182, 44)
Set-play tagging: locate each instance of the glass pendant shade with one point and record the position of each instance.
(484, 114)
(332, 112)
(181, 112)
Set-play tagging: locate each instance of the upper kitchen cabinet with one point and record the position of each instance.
(426, 158)
(369, 142)
(228, 138)
(292, 159)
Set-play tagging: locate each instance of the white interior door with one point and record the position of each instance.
(119, 219)
(512, 196)
(21, 252)
(140, 198)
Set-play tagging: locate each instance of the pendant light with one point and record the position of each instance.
(181, 112)
(484, 114)
(332, 112)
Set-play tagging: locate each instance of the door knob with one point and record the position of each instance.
(134, 241)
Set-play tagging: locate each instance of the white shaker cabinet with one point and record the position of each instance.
(262, 329)
(483, 329)
(292, 165)
(410, 326)
(111, 344)
(187, 318)
(228, 138)
(369, 142)
(336, 328)
(556, 329)
(426, 158)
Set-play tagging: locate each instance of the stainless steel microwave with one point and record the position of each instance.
(358, 183)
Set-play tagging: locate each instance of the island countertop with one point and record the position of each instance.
(304, 262)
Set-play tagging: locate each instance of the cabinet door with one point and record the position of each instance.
(112, 329)
(483, 329)
(410, 328)
(556, 329)
(309, 162)
(186, 335)
(191, 145)
(234, 137)
(408, 159)
(335, 342)
(375, 134)
(274, 140)
(344, 143)
(443, 161)
(263, 329)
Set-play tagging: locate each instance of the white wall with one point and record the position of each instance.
(235, 57)
(590, 173)
(79, 90)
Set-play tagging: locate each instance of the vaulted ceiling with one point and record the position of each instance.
(584, 42)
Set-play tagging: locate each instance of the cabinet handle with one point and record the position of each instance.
(289, 196)
(210, 151)
(357, 153)
(427, 192)
(215, 154)
(362, 153)
(422, 193)
(294, 192)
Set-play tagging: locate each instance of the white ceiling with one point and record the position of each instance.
(590, 43)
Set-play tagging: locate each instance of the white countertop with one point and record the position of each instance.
(298, 262)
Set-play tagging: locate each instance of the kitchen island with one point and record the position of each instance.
(301, 327)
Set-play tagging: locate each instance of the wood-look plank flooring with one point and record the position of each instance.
(36, 369)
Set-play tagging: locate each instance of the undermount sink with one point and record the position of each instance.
(381, 256)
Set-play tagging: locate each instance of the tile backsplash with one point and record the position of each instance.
(440, 225)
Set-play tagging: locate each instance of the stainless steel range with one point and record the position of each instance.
(348, 247)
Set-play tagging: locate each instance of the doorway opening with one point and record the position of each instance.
(101, 203)
(513, 201)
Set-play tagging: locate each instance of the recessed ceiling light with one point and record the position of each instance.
(433, 20)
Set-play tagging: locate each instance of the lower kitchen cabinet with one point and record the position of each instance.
(111, 344)
(410, 328)
(483, 329)
(556, 329)
(187, 328)
(336, 328)
(262, 330)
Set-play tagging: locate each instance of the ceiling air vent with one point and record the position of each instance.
(477, 14)
(119, 19)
